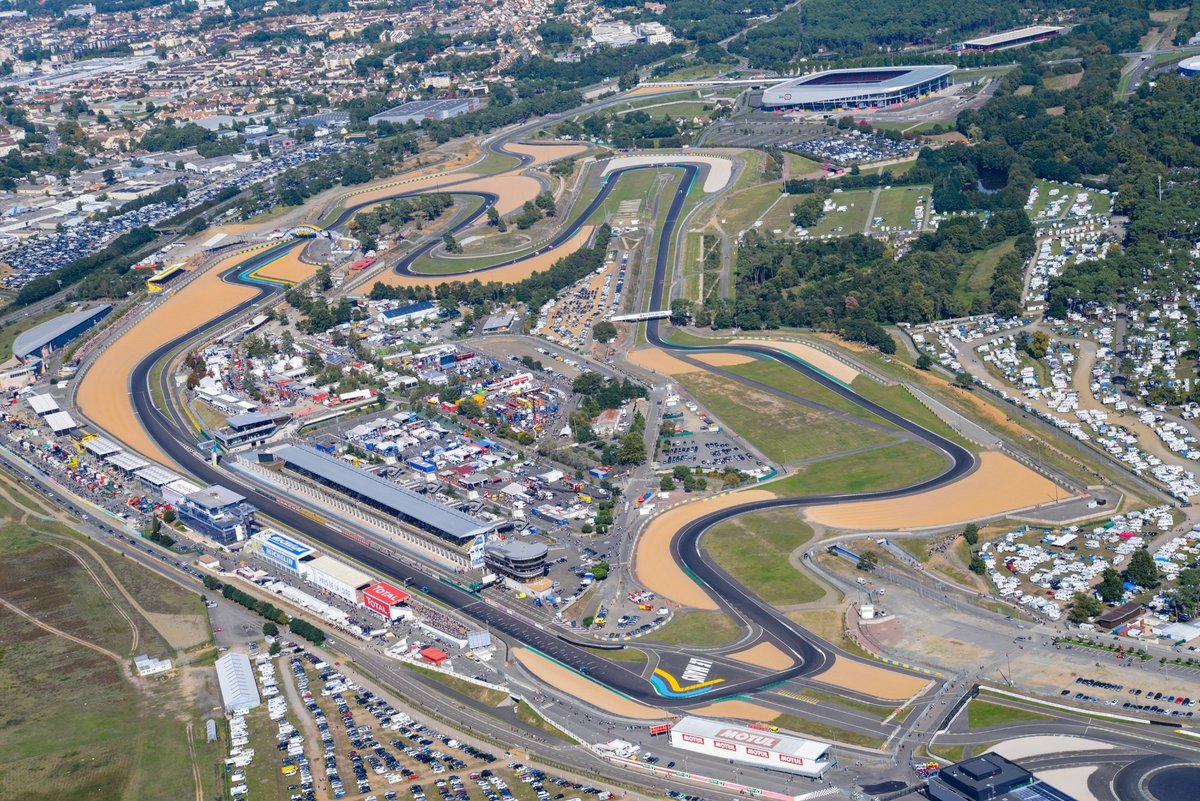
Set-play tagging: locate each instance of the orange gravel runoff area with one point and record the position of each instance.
(544, 154)
(807, 353)
(653, 565)
(660, 362)
(511, 273)
(738, 710)
(103, 393)
(585, 689)
(999, 485)
(873, 680)
(764, 655)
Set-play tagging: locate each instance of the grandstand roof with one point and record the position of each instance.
(1000, 39)
(41, 335)
(452, 522)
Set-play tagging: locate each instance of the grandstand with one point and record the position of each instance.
(1015, 38)
(158, 282)
(835, 90)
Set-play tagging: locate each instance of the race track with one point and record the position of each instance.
(810, 654)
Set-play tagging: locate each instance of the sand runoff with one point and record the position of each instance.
(738, 710)
(807, 353)
(1040, 745)
(288, 267)
(656, 569)
(585, 689)
(544, 154)
(765, 655)
(999, 485)
(873, 680)
(511, 273)
(1073, 781)
(103, 393)
(660, 361)
(720, 169)
(723, 359)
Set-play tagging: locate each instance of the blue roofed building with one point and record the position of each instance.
(218, 513)
(58, 331)
(410, 315)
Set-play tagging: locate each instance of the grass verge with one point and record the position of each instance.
(985, 715)
(754, 549)
(531, 717)
(823, 731)
(484, 695)
(698, 628)
(883, 468)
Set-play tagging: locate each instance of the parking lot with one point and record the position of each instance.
(42, 255)
(1155, 702)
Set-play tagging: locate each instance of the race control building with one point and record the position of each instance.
(870, 87)
(763, 749)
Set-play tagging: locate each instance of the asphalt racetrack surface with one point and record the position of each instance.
(811, 654)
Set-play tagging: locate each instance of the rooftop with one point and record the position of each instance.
(215, 497)
(1011, 36)
(456, 524)
(732, 732)
(41, 335)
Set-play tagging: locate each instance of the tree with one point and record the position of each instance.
(924, 362)
(1142, 571)
(270, 629)
(1084, 605)
(632, 449)
(977, 565)
(451, 243)
(1038, 345)
(971, 534)
(667, 484)
(600, 571)
(868, 561)
(962, 380)
(275, 649)
(108, 175)
(469, 407)
(1111, 588)
(604, 332)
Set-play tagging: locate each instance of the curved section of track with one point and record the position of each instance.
(810, 654)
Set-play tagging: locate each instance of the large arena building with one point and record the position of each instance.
(871, 87)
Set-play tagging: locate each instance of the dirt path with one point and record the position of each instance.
(121, 663)
(191, 741)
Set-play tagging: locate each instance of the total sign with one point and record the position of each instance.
(383, 599)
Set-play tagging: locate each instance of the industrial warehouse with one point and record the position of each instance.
(872, 87)
(752, 746)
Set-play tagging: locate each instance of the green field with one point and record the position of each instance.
(73, 725)
(984, 715)
(754, 549)
(782, 430)
(631, 186)
(896, 206)
(686, 338)
(823, 731)
(899, 400)
(781, 376)
(799, 165)
(975, 281)
(740, 212)
(697, 628)
(626, 654)
(857, 204)
(676, 108)
(889, 467)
